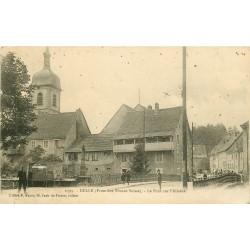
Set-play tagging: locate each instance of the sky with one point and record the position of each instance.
(100, 79)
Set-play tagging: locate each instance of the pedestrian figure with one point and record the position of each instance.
(241, 177)
(159, 177)
(128, 177)
(123, 177)
(22, 180)
(204, 176)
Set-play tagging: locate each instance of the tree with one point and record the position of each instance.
(35, 155)
(139, 162)
(209, 135)
(51, 158)
(17, 109)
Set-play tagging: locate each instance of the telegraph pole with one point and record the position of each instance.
(192, 164)
(184, 122)
(144, 140)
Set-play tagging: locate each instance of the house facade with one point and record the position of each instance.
(112, 153)
(92, 154)
(56, 132)
(246, 161)
(229, 155)
(162, 130)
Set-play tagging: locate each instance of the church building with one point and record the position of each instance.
(56, 131)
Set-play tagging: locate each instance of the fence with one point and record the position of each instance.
(218, 180)
(93, 180)
(113, 179)
(9, 183)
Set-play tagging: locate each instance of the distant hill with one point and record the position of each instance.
(209, 135)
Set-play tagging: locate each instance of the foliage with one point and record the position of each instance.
(8, 170)
(139, 162)
(16, 100)
(35, 155)
(50, 158)
(209, 135)
(5, 168)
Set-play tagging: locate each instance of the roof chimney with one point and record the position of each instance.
(149, 107)
(157, 106)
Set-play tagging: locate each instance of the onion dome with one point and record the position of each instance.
(46, 77)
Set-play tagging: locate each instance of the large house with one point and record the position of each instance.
(56, 132)
(162, 129)
(112, 152)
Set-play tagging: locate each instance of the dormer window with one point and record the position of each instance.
(40, 99)
(54, 100)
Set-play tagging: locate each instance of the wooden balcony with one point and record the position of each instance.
(156, 146)
(159, 146)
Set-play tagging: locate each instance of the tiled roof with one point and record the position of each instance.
(115, 122)
(200, 151)
(245, 125)
(157, 122)
(221, 147)
(53, 126)
(139, 107)
(92, 143)
(237, 145)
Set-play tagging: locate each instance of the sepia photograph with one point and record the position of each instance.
(125, 125)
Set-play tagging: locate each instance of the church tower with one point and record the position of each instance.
(46, 94)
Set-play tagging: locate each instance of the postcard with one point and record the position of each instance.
(125, 125)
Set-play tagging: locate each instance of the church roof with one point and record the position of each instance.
(157, 123)
(46, 77)
(92, 143)
(53, 126)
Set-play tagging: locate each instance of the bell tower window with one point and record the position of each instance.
(40, 99)
(54, 100)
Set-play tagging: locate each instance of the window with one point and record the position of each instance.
(45, 143)
(94, 156)
(159, 157)
(56, 143)
(86, 156)
(72, 156)
(54, 100)
(96, 169)
(40, 99)
(107, 153)
(177, 139)
(33, 144)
